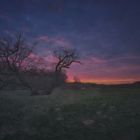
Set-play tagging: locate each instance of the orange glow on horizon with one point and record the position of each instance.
(105, 81)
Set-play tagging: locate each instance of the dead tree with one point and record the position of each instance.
(65, 58)
(13, 54)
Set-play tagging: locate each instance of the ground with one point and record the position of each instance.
(101, 113)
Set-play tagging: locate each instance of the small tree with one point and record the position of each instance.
(66, 57)
(76, 79)
(13, 54)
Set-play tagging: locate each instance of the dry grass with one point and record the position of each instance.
(99, 114)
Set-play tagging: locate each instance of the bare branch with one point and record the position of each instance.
(13, 52)
(65, 58)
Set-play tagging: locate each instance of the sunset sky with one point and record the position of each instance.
(106, 34)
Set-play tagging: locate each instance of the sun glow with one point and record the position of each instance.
(105, 81)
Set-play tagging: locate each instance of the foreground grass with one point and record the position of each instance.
(97, 114)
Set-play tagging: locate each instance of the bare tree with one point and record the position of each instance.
(76, 79)
(13, 54)
(65, 57)
(14, 59)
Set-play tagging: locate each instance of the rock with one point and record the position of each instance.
(88, 122)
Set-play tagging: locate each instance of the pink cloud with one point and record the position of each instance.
(93, 60)
(50, 58)
(43, 38)
(55, 41)
(42, 62)
(96, 69)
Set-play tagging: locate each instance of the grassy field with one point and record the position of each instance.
(109, 113)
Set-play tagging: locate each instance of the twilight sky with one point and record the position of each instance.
(105, 32)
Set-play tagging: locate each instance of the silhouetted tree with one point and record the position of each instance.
(65, 57)
(15, 61)
(13, 54)
(76, 79)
